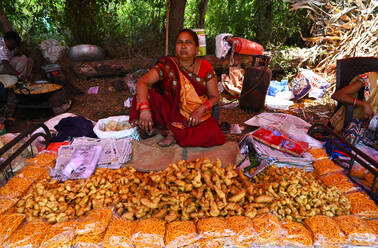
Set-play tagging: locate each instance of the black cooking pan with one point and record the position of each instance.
(36, 92)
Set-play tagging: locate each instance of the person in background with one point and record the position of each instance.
(10, 61)
(177, 96)
(364, 121)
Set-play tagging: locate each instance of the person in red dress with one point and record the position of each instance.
(177, 96)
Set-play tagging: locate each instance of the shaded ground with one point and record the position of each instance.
(110, 101)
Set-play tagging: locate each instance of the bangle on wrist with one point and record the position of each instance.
(207, 106)
(143, 105)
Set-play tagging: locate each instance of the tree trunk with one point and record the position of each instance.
(202, 7)
(176, 21)
(264, 20)
(6, 26)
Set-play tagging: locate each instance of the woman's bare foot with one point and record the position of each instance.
(167, 141)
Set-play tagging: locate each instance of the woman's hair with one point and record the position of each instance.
(12, 35)
(192, 33)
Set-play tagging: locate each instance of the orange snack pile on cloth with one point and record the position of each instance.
(91, 228)
(340, 181)
(33, 172)
(119, 233)
(243, 228)
(60, 235)
(325, 231)
(318, 153)
(15, 187)
(180, 234)
(356, 230)
(294, 234)
(43, 159)
(29, 235)
(8, 224)
(267, 227)
(325, 166)
(149, 233)
(362, 205)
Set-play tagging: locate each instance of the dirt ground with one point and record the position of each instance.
(110, 101)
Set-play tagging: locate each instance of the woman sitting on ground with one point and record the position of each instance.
(363, 123)
(177, 96)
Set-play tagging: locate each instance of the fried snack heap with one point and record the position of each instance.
(6, 204)
(294, 234)
(29, 235)
(119, 233)
(60, 235)
(8, 224)
(34, 173)
(295, 194)
(180, 234)
(356, 230)
(325, 230)
(325, 166)
(185, 191)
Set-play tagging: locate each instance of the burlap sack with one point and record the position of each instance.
(149, 156)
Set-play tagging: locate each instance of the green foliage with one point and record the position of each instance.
(129, 27)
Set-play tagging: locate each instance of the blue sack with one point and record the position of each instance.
(277, 86)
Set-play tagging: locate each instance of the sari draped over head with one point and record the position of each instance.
(174, 98)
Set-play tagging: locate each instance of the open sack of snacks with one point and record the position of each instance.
(116, 127)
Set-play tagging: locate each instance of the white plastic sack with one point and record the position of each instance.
(126, 133)
(51, 50)
(221, 45)
(309, 82)
(272, 102)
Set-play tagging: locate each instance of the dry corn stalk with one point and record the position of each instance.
(342, 28)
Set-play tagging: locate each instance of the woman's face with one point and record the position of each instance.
(186, 47)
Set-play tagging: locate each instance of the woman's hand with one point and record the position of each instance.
(196, 116)
(368, 110)
(145, 120)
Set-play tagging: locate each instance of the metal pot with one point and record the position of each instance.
(86, 52)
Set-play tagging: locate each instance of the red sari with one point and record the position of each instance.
(164, 100)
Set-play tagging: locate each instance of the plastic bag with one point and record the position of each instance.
(8, 224)
(275, 139)
(325, 166)
(356, 230)
(294, 234)
(6, 203)
(44, 158)
(277, 86)
(119, 233)
(243, 228)
(318, 153)
(91, 228)
(52, 49)
(149, 233)
(222, 46)
(340, 181)
(29, 235)
(325, 230)
(76, 162)
(60, 235)
(309, 82)
(180, 233)
(362, 205)
(267, 227)
(15, 187)
(131, 132)
(34, 173)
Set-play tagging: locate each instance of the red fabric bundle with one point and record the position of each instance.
(247, 47)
